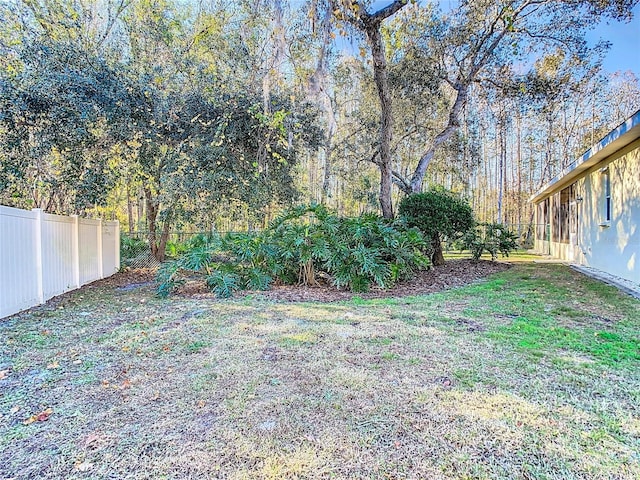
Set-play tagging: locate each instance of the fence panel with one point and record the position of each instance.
(43, 255)
(88, 248)
(18, 266)
(58, 262)
(110, 248)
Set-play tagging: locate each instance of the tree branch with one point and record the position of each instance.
(397, 178)
(387, 11)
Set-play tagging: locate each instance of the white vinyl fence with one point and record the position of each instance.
(44, 255)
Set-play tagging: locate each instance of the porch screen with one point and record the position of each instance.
(542, 220)
(561, 214)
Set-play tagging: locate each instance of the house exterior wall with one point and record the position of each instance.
(612, 246)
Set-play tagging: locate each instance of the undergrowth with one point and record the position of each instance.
(305, 245)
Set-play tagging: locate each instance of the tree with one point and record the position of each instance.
(168, 122)
(465, 46)
(370, 24)
(59, 115)
(438, 214)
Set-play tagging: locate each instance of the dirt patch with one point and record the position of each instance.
(454, 273)
(129, 279)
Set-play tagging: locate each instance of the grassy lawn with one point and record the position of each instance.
(531, 374)
(516, 256)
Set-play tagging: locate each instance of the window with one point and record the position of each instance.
(606, 188)
(555, 217)
(565, 200)
(543, 220)
(561, 214)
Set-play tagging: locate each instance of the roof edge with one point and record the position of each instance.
(618, 138)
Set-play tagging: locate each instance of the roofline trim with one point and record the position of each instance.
(615, 140)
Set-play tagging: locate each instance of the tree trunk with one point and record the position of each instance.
(317, 91)
(152, 214)
(164, 237)
(139, 209)
(326, 175)
(453, 124)
(519, 166)
(502, 159)
(380, 76)
(437, 257)
(129, 206)
(370, 23)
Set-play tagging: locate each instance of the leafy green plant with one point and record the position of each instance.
(131, 248)
(300, 246)
(493, 238)
(227, 263)
(439, 214)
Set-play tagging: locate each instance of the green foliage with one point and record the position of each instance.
(222, 283)
(174, 249)
(300, 246)
(131, 248)
(493, 238)
(438, 213)
(59, 115)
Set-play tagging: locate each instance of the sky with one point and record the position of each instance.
(624, 53)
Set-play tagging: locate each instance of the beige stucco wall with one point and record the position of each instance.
(613, 248)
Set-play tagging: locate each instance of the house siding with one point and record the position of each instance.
(613, 246)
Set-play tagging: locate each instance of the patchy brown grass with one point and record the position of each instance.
(440, 386)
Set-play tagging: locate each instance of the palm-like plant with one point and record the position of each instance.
(354, 253)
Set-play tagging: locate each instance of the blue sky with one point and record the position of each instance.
(624, 53)
(625, 43)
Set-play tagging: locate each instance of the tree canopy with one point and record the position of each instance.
(188, 115)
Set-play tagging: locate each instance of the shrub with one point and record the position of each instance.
(491, 237)
(353, 253)
(438, 214)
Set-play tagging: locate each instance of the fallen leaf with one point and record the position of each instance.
(201, 404)
(126, 383)
(105, 384)
(84, 466)
(4, 374)
(53, 365)
(45, 332)
(30, 420)
(43, 416)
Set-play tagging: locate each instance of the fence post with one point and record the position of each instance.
(75, 247)
(117, 247)
(100, 252)
(38, 254)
